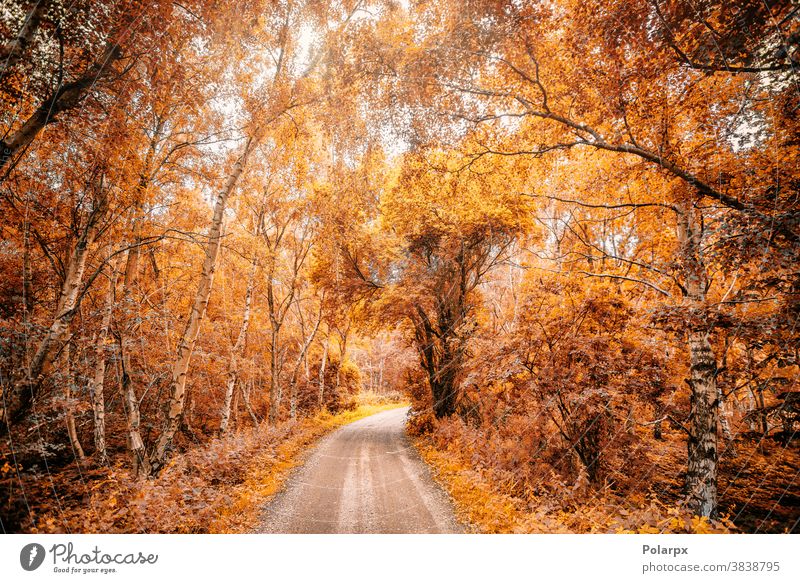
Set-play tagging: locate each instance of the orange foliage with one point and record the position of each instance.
(568, 230)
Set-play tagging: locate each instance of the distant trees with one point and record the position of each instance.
(449, 231)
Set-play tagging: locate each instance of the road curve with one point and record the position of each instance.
(363, 478)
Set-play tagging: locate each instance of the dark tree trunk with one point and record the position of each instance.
(701, 475)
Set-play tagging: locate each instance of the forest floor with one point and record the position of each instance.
(364, 478)
(756, 487)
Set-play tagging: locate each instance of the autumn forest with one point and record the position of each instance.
(564, 234)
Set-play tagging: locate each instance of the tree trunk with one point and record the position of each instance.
(69, 416)
(342, 358)
(701, 475)
(235, 421)
(248, 406)
(439, 358)
(27, 274)
(751, 399)
(68, 96)
(236, 351)
(274, 377)
(27, 388)
(139, 461)
(322, 364)
(725, 425)
(180, 367)
(300, 359)
(97, 382)
(126, 326)
(762, 416)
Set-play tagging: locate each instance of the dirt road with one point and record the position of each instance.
(364, 478)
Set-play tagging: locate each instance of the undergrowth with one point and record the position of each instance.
(220, 487)
(488, 501)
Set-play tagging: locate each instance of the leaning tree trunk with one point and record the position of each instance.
(26, 389)
(245, 392)
(236, 352)
(67, 97)
(701, 475)
(186, 344)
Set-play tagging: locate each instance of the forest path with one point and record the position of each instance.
(364, 478)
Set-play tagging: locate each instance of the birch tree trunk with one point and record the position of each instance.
(298, 364)
(279, 307)
(127, 320)
(725, 425)
(275, 321)
(125, 330)
(69, 415)
(274, 377)
(26, 389)
(247, 405)
(97, 382)
(762, 416)
(751, 400)
(235, 421)
(381, 364)
(343, 336)
(236, 352)
(180, 367)
(322, 364)
(701, 476)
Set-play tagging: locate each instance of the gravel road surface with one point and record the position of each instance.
(363, 478)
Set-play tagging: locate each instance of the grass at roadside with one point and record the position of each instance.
(478, 506)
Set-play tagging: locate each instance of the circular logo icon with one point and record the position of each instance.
(31, 556)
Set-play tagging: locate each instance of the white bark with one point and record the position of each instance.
(97, 382)
(236, 352)
(26, 389)
(322, 364)
(126, 327)
(69, 415)
(186, 344)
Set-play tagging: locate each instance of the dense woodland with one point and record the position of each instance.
(568, 231)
